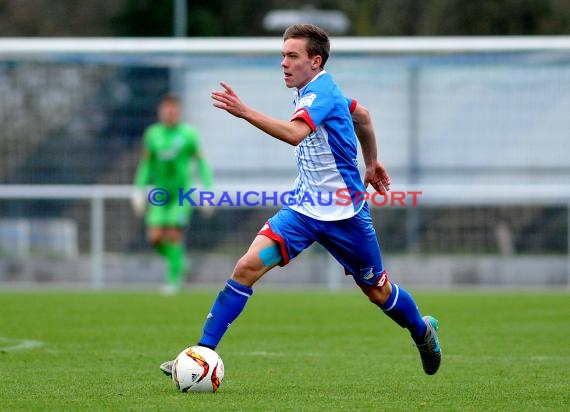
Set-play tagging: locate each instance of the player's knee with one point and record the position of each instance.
(154, 238)
(247, 270)
(174, 235)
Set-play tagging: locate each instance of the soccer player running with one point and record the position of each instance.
(322, 129)
(170, 146)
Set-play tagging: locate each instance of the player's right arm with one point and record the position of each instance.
(292, 132)
(376, 173)
(145, 166)
(142, 178)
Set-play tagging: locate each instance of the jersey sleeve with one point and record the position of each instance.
(143, 172)
(351, 103)
(313, 108)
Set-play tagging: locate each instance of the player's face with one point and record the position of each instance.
(169, 113)
(298, 67)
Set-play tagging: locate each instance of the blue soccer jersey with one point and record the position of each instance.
(327, 159)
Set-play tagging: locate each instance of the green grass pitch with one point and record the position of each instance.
(288, 351)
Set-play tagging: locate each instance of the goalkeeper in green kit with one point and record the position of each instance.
(171, 149)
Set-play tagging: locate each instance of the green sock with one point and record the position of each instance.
(161, 248)
(175, 260)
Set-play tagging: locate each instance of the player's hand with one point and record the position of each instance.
(206, 211)
(139, 202)
(229, 101)
(377, 175)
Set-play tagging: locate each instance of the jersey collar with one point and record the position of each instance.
(300, 91)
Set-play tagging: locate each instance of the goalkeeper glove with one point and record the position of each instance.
(139, 201)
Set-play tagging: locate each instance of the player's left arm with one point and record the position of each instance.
(292, 132)
(146, 163)
(204, 170)
(376, 173)
(142, 178)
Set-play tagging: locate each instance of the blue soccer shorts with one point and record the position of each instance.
(352, 241)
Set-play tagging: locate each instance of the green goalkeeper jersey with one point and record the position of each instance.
(169, 155)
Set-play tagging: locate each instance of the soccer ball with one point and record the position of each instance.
(198, 369)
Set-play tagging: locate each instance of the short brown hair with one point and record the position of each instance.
(170, 98)
(317, 39)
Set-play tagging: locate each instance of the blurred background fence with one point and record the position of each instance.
(478, 125)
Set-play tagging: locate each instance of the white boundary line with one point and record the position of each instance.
(18, 344)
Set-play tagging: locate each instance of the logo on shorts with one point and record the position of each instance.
(367, 273)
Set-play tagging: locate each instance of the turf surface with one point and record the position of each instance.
(288, 351)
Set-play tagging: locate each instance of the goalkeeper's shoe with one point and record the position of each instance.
(166, 367)
(430, 352)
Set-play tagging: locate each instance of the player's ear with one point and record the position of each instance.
(317, 61)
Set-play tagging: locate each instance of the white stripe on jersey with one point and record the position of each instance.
(319, 177)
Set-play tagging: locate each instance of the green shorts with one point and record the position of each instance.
(170, 214)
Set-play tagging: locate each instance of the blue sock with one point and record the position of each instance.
(401, 308)
(226, 308)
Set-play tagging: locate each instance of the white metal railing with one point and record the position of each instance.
(271, 45)
(431, 195)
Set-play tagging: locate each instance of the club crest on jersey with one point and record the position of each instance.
(307, 101)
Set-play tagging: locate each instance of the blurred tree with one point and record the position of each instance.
(244, 18)
(58, 17)
(491, 17)
(369, 17)
(205, 18)
(458, 17)
(145, 18)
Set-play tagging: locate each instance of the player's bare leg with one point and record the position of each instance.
(259, 259)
